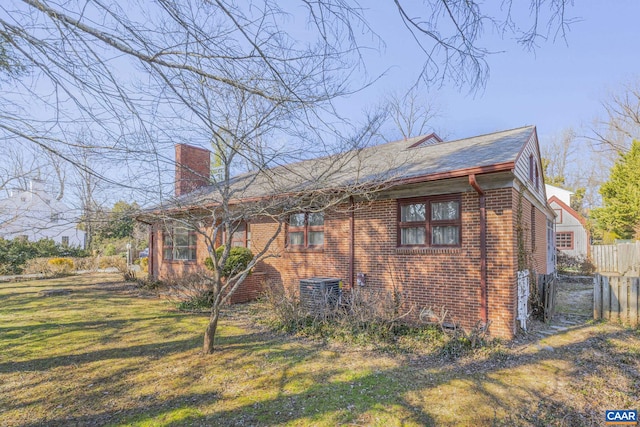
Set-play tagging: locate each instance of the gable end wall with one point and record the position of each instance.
(522, 169)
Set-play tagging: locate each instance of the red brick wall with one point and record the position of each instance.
(166, 269)
(249, 290)
(331, 261)
(193, 167)
(428, 278)
(501, 261)
(534, 231)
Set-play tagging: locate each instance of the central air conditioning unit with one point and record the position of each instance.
(319, 293)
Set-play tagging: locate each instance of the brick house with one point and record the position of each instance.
(448, 229)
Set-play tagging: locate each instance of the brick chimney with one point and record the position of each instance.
(193, 168)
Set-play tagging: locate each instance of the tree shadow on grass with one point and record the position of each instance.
(406, 394)
(325, 396)
(93, 390)
(39, 328)
(154, 409)
(489, 388)
(148, 350)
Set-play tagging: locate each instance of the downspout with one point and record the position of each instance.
(484, 306)
(352, 242)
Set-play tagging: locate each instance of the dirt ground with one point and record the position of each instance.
(574, 308)
(575, 296)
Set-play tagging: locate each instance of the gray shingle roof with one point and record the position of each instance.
(391, 162)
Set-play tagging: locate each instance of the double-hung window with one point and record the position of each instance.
(432, 221)
(306, 230)
(241, 235)
(179, 243)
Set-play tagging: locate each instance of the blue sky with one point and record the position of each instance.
(561, 84)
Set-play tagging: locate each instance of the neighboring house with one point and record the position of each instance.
(446, 229)
(34, 214)
(572, 234)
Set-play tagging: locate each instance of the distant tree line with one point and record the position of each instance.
(113, 229)
(15, 253)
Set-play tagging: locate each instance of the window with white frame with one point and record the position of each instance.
(178, 243)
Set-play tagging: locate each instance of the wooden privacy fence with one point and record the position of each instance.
(622, 258)
(616, 298)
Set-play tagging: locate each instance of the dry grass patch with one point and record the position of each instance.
(575, 296)
(107, 355)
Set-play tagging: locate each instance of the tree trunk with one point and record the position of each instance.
(210, 333)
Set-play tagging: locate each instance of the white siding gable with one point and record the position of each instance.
(569, 227)
(528, 166)
(560, 193)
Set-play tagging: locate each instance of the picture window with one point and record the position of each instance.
(179, 243)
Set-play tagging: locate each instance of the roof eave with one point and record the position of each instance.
(478, 170)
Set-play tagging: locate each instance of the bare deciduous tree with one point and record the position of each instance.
(622, 124)
(231, 75)
(563, 156)
(86, 182)
(411, 112)
(558, 152)
(235, 122)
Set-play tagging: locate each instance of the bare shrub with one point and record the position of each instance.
(376, 317)
(119, 263)
(374, 312)
(89, 263)
(112, 261)
(460, 342)
(363, 315)
(456, 340)
(587, 267)
(190, 292)
(38, 266)
(435, 316)
(574, 265)
(284, 309)
(368, 304)
(149, 283)
(49, 266)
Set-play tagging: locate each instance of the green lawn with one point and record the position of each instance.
(104, 354)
